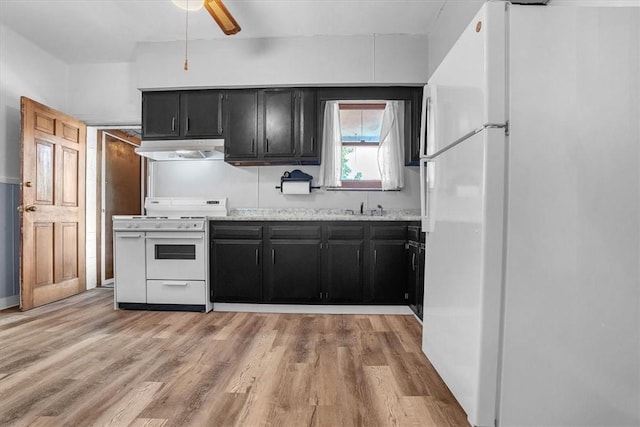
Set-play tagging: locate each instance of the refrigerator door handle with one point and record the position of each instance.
(427, 205)
(427, 120)
(466, 136)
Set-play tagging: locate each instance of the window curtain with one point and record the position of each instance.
(331, 166)
(391, 148)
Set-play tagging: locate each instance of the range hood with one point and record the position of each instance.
(182, 149)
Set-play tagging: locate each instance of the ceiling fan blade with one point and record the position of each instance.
(222, 16)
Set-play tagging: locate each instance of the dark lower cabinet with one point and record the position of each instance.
(161, 114)
(236, 262)
(310, 263)
(415, 279)
(236, 270)
(388, 271)
(292, 271)
(344, 279)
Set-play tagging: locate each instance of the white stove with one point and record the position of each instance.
(161, 261)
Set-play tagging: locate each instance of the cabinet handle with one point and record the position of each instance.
(273, 256)
(320, 295)
(257, 257)
(267, 144)
(188, 120)
(253, 144)
(220, 113)
(413, 262)
(375, 256)
(173, 124)
(358, 257)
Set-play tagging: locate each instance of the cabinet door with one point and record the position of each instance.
(412, 145)
(388, 266)
(412, 276)
(278, 111)
(202, 113)
(236, 270)
(420, 283)
(293, 271)
(343, 282)
(160, 114)
(306, 131)
(129, 267)
(241, 124)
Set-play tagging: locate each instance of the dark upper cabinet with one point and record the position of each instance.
(241, 125)
(412, 145)
(278, 116)
(182, 114)
(306, 125)
(160, 114)
(270, 126)
(201, 113)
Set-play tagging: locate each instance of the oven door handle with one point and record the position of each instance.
(174, 283)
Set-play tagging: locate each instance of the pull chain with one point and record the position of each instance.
(186, 40)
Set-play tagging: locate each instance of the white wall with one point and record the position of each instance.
(453, 19)
(26, 70)
(321, 60)
(254, 187)
(104, 94)
(456, 15)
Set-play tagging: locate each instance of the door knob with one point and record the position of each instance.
(27, 184)
(30, 209)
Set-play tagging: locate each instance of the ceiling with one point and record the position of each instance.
(93, 31)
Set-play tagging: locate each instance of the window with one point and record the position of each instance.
(360, 126)
(362, 145)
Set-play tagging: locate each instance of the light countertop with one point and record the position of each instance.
(301, 214)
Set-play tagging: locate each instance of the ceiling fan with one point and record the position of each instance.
(216, 9)
(221, 15)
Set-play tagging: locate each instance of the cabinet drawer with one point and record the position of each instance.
(295, 232)
(236, 232)
(389, 232)
(175, 292)
(345, 232)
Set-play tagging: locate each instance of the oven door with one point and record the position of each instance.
(176, 256)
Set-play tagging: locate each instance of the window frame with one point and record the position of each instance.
(361, 105)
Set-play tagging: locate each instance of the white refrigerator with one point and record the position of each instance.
(530, 177)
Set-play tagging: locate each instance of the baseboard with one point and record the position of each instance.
(312, 309)
(11, 301)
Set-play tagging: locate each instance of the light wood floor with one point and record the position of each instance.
(78, 362)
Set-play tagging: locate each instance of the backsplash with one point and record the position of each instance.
(254, 187)
(9, 245)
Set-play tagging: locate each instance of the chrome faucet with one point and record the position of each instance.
(380, 210)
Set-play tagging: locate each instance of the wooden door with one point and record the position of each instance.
(52, 215)
(123, 187)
